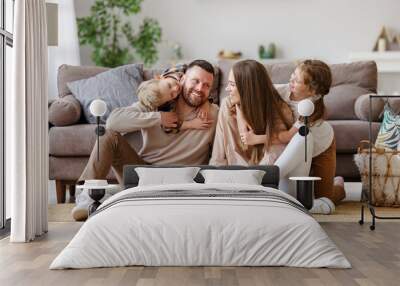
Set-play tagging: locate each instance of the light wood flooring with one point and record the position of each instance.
(374, 255)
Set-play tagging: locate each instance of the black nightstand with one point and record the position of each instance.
(305, 190)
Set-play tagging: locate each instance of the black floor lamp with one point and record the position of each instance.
(305, 185)
(98, 108)
(98, 188)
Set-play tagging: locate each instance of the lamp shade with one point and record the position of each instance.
(98, 107)
(305, 107)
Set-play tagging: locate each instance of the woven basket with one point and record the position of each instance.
(385, 174)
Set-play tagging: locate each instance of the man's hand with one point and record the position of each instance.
(197, 123)
(169, 119)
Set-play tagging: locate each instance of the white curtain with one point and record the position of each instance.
(27, 143)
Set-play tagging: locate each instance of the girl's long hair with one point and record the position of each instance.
(260, 101)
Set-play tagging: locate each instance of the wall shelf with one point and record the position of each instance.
(387, 62)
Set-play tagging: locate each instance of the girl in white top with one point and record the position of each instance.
(312, 80)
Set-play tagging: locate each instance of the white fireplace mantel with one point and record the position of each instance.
(387, 62)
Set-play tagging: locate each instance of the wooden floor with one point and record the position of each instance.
(374, 255)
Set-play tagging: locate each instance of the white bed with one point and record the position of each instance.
(183, 230)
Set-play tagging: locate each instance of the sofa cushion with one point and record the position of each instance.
(70, 168)
(349, 133)
(349, 81)
(68, 73)
(361, 107)
(340, 101)
(64, 111)
(79, 139)
(280, 73)
(117, 87)
(76, 140)
(363, 74)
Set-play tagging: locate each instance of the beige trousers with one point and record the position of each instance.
(115, 152)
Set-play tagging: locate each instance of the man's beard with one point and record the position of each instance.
(191, 100)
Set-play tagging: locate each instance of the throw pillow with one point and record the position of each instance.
(361, 108)
(389, 132)
(248, 177)
(166, 176)
(117, 87)
(64, 111)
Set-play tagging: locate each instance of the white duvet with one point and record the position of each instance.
(200, 231)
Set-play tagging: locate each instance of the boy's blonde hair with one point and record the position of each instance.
(149, 93)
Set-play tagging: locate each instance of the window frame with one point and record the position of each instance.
(6, 39)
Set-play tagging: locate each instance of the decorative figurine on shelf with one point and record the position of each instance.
(395, 44)
(98, 108)
(270, 53)
(226, 54)
(385, 42)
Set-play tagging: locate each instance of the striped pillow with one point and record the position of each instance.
(389, 132)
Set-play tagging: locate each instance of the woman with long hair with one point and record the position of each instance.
(250, 118)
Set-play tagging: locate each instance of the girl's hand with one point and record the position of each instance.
(249, 138)
(169, 119)
(204, 111)
(197, 123)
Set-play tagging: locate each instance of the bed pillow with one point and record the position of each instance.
(166, 176)
(248, 177)
(117, 87)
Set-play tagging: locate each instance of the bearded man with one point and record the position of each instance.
(136, 136)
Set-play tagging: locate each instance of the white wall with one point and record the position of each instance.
(323, 29)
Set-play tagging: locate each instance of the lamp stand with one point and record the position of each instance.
(100, 131)
(303, 131)
(96, 195)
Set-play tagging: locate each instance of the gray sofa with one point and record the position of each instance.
(71, 138)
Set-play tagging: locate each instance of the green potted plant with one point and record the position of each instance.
(108, 30)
